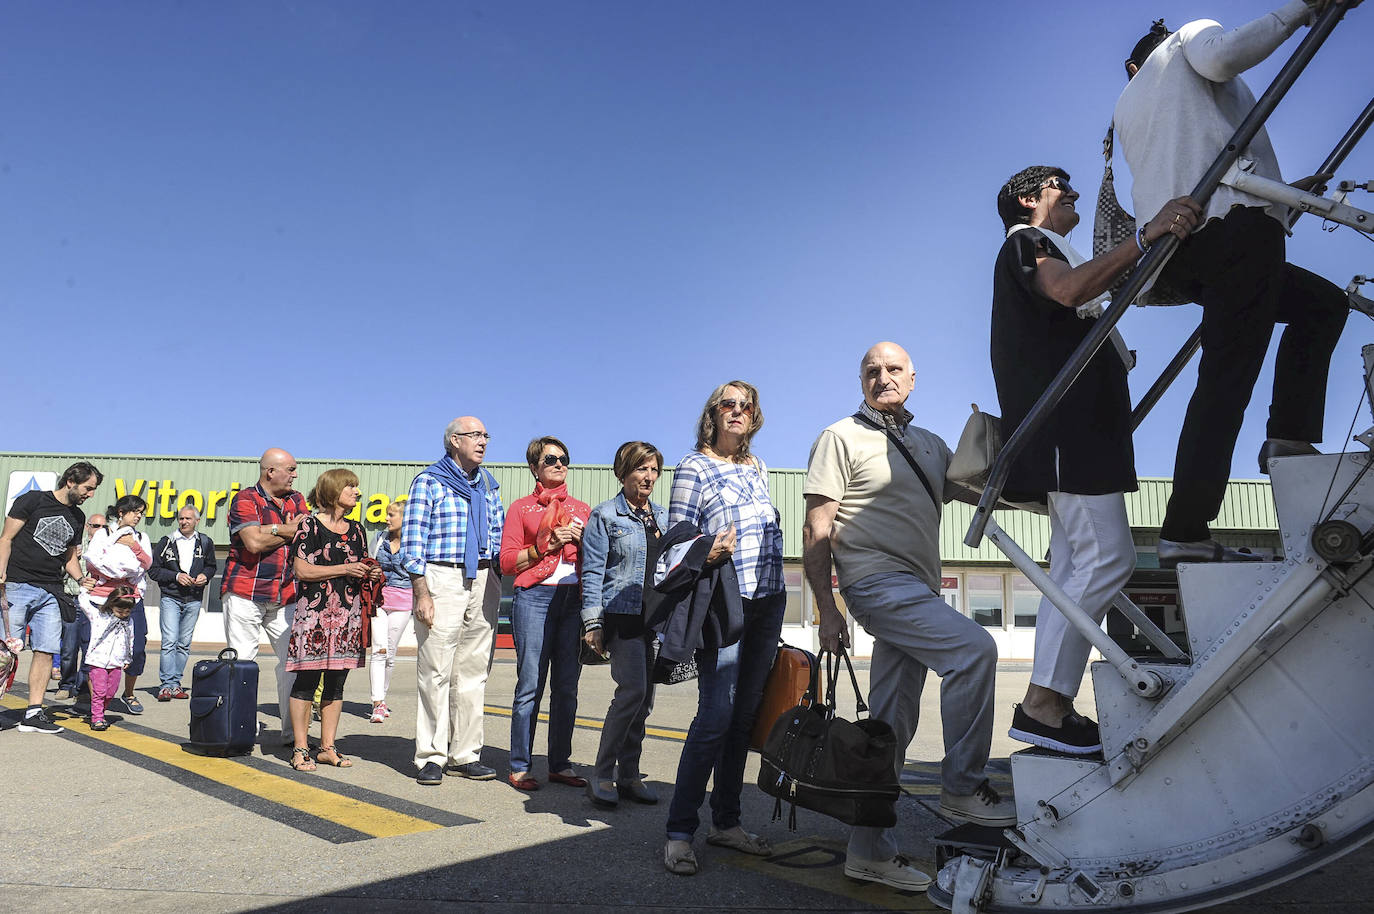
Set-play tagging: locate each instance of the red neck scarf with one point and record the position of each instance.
(556, 513)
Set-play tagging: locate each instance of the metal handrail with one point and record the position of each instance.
(1145, 270)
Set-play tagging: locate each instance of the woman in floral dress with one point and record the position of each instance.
(327, 627)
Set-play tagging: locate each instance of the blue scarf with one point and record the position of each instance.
(452, 476)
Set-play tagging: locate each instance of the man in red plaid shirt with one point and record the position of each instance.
(259, 589)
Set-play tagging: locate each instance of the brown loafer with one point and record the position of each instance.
(570, 780)
(522, 783)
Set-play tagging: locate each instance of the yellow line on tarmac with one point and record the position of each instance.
(355, 814)
(592, 723)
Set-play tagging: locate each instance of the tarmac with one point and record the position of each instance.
(132, 819)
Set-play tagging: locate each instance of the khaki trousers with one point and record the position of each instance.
(452, 662)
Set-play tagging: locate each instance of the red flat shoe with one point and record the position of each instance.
(522, 783)
(571, 780)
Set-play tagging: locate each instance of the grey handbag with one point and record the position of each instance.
(969, 467)
(1112, 225)
(979, 443)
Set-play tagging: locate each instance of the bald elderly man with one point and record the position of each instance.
(259, 588)
(875, 487)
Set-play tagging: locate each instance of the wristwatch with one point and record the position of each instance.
(274, 530)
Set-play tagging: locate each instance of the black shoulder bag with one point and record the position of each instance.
(843, 769)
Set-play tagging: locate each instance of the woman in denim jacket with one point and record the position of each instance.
(616, 550)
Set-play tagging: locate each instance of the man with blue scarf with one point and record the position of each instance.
(450, 540)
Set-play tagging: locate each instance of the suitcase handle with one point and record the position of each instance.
(228, 654)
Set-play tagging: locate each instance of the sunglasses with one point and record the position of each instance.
(730, 406)
(1058, 184)
(551, 459)
(96, 526)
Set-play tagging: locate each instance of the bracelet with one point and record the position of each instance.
(1140, 240)
(591, 625)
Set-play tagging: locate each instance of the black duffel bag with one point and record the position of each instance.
(815, 760)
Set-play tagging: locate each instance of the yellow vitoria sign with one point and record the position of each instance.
(164, 500)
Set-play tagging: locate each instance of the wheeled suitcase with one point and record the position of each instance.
(787, 682)
(224, 704)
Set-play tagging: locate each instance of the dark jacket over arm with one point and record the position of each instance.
(696, 606)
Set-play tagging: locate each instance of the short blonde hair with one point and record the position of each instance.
(706, 423)
(331, 484)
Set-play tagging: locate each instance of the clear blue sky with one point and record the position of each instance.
(333, 226)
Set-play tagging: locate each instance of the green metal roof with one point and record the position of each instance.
(1248, 506)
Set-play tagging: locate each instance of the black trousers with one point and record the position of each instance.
(1235, 269)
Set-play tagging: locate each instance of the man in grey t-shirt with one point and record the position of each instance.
(878, 519)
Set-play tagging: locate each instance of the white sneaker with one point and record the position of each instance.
(897, 873)
(984, 806)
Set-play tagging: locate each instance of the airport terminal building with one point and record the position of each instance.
(980, 583)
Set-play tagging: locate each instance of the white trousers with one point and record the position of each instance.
(387, 630)
(1092, 556)
(453, 659)
(245, 622)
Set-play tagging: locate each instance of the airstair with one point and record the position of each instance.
(1246, 757)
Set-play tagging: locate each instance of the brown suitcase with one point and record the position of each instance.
(787, 682)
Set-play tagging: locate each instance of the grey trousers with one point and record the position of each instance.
(622, 733)
(915, 630)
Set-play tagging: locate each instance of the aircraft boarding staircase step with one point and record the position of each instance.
(1262, 760)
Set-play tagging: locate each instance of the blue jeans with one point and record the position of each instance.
(546, 623)
(177, 616)
(729, 687)
(35, 609)
(76, 637)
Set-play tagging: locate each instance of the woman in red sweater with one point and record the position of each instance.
(541, 546)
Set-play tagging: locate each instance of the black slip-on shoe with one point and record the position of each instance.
(1070, 736)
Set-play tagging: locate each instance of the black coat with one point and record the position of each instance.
(167, 565)
(693, 606)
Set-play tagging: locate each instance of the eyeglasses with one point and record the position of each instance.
(1058, 184)
(473, 435)
(730, 406)
(551, 459)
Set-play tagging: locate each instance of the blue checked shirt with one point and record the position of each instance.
(713, 495)
(436, 525)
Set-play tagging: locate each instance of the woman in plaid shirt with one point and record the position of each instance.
(723, 489)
